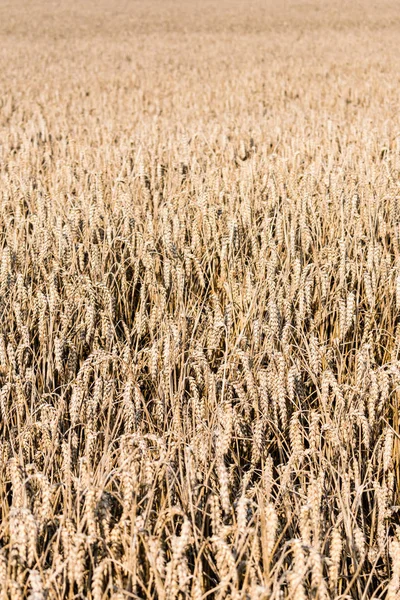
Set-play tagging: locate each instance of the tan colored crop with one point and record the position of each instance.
(199, 300)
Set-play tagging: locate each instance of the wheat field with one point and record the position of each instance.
(200, 300)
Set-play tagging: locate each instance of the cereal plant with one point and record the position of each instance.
(200, 300)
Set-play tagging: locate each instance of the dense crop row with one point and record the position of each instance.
(200, 301)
